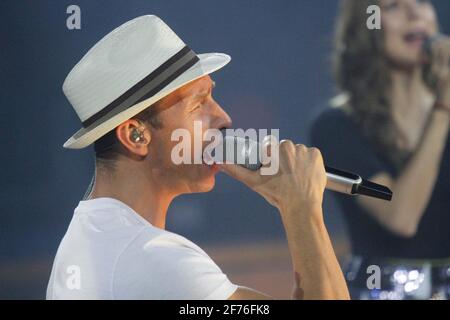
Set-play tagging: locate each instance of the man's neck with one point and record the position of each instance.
(136, 190)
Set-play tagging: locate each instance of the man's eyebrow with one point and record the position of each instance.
(204, 94)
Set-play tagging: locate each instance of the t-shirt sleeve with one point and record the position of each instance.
(343, 146)
(170, 271)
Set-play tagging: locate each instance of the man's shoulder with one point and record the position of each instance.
(162, 265)
(150, 240)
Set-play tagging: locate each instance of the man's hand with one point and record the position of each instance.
(300, 181)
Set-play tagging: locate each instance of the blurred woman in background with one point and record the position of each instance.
(391, 124)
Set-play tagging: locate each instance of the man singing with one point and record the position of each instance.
(131, 91)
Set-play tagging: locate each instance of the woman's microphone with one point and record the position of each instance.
(427, 48)
(246, 152)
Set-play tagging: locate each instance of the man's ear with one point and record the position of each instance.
(134, 136)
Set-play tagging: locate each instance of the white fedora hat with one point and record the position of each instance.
(131, 68)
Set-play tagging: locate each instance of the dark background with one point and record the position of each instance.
(279, 78)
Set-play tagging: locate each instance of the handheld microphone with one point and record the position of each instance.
(245, 149)
(427, 47)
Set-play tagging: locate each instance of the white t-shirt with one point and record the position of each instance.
(111, 252)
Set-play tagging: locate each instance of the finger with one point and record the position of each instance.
(287, 151)
(269, 149)
(240, 173)
(301, 148)
(301, 152)
(317, 155)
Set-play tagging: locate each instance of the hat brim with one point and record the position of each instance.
(208, 63)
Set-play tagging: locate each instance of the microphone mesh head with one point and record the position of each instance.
(242, 151)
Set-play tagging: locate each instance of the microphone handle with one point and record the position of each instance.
(352, 184)
(341, 181)
(348, 183)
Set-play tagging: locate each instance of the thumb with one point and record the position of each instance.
(240, 173)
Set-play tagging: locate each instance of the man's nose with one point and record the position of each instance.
(222, 119)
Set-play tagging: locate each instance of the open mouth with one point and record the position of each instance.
(210, 166)
(207, 159)
(209, 162)
(415, 38)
